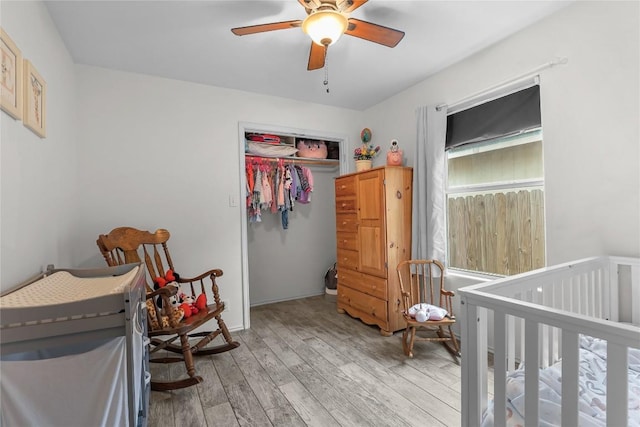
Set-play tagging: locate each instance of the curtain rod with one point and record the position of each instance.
(530, 73)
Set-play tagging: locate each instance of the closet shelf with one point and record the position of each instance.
(297, 160)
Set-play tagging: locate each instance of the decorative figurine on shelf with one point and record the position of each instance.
(394, 155)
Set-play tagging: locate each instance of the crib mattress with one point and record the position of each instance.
(591, 382)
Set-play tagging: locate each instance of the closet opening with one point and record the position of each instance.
(288, 242)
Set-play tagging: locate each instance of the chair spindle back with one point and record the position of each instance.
(422, 281)
(123, 245)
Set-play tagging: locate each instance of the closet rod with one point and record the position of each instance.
(296, 160)
(530, 73)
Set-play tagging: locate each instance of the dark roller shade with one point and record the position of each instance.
(501, 117)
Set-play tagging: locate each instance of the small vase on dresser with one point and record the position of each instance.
(363, 165)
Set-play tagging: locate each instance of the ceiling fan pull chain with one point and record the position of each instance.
(326, 69)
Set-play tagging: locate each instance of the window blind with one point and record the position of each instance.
(508, 115)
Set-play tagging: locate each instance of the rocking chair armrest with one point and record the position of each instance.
(216, 272)
(450, 294)
(406, 297)
(167, 290)
(448, 304)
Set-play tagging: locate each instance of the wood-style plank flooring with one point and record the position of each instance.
(303, 364)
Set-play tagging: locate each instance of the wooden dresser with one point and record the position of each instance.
(373, 226)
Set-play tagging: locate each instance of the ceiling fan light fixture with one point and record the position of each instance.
(325, 26)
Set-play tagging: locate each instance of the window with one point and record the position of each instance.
(495, 200)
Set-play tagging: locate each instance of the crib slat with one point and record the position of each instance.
(531, 373)
(635, 295)
(599, 287)
(611, 296)
(592, 294)
(511, 344)
(499, 369)
(569, 378)
(547, 333)
(483, 357)
(471, 365)
(616, 375)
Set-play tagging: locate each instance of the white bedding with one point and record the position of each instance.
(591, 382)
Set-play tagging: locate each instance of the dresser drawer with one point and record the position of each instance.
(347, 222)
(347, 240)
(346, 186)
(368, 308)
(347, 259)
(346, 204)
(370, 285)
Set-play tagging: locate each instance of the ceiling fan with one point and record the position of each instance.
(326, 21)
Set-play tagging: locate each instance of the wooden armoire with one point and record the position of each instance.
(373, 227)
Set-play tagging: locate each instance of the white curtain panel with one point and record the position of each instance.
(428, 219)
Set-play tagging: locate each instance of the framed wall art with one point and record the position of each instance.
(11, 78)
(35, 100)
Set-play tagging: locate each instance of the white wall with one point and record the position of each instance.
(159, 153)
(590, 115)
(38, 177)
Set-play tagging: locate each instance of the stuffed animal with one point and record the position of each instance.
(188, 305)
(170, 316)
(312, 149)
(166, 320)
(169, 277)
(191, 305)
(183, 304)
(424, 312)
(201, 301)
(394, 155)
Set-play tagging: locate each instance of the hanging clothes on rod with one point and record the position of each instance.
(275, 186)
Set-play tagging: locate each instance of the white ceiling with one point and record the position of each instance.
(192, 41)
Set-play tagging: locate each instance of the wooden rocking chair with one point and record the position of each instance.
(419, 286)
(126, 245)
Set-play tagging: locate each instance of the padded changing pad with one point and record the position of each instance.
(63, 287)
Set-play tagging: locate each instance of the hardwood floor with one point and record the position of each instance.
(303, 364)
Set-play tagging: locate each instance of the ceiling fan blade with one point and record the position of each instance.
(261, 28)
(316, 56)
(374, 32)
(310, 4)
(348, 6)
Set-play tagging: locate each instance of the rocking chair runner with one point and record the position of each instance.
(126, 245)
(418, 285)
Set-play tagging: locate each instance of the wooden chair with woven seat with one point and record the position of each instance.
(422, 282)
(127, 245)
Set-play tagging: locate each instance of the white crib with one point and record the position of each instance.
(539, 318)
